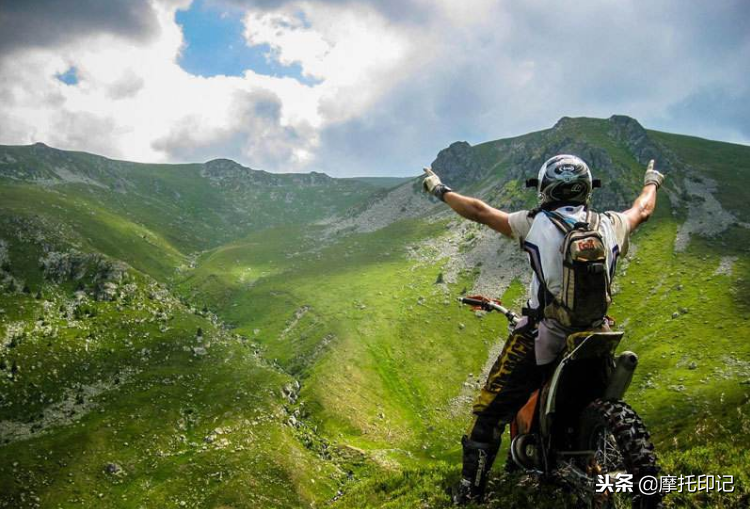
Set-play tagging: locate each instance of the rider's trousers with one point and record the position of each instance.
(512, 379)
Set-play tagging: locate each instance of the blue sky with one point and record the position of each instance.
(69, 77)
(215, 45)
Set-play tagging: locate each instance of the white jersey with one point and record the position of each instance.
(542, 240)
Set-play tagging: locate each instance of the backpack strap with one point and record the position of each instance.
(593, 219)
(591, 222)
(559, 221)
(544, 296)
(533, 212)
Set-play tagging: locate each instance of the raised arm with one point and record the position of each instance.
(645, 204)
(465, 206)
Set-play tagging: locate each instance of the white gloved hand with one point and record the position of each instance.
(432, 185)
(431, 181)
(652, 176)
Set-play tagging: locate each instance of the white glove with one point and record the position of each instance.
(431, 181)
(652, 176)
(432, 185)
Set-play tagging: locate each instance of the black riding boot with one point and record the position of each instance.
(478, 458)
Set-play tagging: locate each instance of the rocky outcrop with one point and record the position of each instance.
(628, 132)
(100, 272)
(705, 215)
(458, 165)
(403, 202)
(488, 170)
(226, 173)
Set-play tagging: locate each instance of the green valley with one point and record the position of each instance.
(209, 335)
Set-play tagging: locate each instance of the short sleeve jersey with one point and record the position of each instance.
(541, 240)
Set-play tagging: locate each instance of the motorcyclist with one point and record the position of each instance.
(564, 188)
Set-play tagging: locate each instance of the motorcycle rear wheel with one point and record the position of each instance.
(621, 444)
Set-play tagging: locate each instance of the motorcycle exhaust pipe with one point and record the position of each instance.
(621, 376)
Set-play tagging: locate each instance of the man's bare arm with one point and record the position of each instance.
(645, 204)
(470, 208)
(642, 208)
(478, 211)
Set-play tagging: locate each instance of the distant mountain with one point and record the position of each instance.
(617, 150)
(209, 335)
(382, 182)
(185, 208)
(218, 200)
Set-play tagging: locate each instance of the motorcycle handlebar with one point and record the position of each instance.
(474, 302)
(489, 305)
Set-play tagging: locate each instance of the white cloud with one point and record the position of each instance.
(503, 69)
(352, 51)
(139, 104)
(393, 82)
(131, 97)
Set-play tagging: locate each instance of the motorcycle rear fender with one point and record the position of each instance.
(581, 345)
(584, 345)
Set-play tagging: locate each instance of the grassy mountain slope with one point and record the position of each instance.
(76, 321)
(191, 206)
(685, 313)
(375, 389)
(382, 182)
(116, 392)
(335, 365)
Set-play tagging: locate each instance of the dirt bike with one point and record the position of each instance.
(576, 427)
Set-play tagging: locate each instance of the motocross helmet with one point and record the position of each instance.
(565, 179)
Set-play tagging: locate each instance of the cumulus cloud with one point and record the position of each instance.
(41, 23)
(85, 129)
(519, 67)
(352, 52)
(253, 133)
(389, 83)
(127, 85)
(132, 100)
(397, 11)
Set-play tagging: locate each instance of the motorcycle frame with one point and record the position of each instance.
(579, 346)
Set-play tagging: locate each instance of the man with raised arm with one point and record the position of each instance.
(564, 188)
